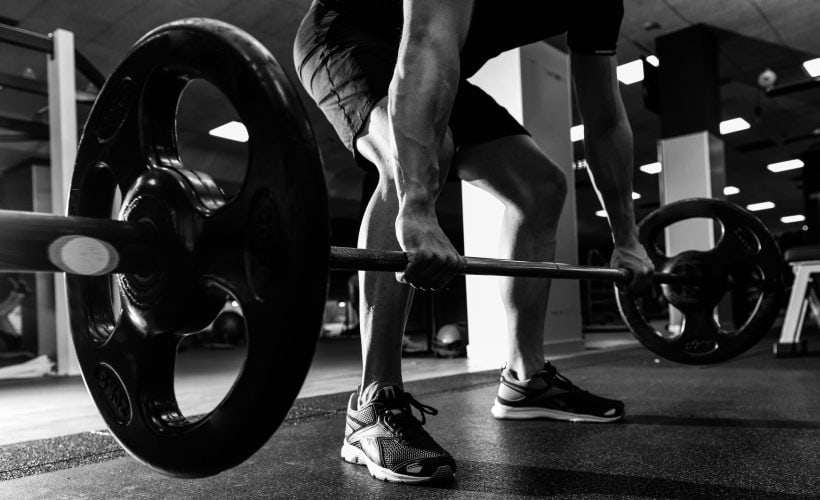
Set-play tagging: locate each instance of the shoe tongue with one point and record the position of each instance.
(389, 393)
(385, 395)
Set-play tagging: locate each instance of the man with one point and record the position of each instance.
(390, 75)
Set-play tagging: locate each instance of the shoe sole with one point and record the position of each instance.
(503, 412)
(353, 455)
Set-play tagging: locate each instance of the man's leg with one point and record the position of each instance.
(381, 431)
(384, 302)
(533, 190)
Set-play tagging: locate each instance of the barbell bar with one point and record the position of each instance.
(34, 242)
(352, 259)
(92, 247)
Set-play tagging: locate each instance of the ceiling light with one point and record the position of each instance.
(636, 196)
(812, 67)
(782, 166)
(630, 72)
(601, 213)
(576, 133)
(792, 218)
(651, 168)
(730, 190)
(233, 131)
(733, 125)
(756, 207)
(653, 60)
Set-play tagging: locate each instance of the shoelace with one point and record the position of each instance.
(405, 424)
(552, 372)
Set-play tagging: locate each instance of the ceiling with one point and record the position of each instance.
(755, 34)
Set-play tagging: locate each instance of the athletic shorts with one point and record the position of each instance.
(345, 52)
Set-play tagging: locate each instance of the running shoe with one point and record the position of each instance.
(548, 394)
(384, 435)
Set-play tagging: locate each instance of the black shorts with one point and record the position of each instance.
(345, 52)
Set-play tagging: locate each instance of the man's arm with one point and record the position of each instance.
(608, 145)
(420, 99)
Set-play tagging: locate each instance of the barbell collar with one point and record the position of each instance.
(34, 242)
(352, 259)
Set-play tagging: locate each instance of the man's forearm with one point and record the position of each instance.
(610, 156)
(421, 94)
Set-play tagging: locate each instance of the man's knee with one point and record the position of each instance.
(543, 190)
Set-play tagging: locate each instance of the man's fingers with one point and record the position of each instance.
(431, 271)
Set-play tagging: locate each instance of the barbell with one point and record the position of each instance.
(177, 247)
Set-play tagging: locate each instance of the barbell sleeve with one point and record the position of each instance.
(33, 242)
(351, 259)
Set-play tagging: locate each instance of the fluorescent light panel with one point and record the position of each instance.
(651, 168)
(812, 67)
(636, 196)
(733, 125)
(782, 166)
(792, 218)
(756, 207)
(576, 133)
(630, 72)
(730, 190)
(601, 213)
(233, 131)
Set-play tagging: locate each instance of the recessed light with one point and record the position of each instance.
(782, 166)
(630, 72)
(651, 168)
(576, 133)
(812, 67)
(601, 213)
(756, 207)
(733, 125)
(233, 131)
(792, 218)
(636, 196)
(653, 60)
(730, 190)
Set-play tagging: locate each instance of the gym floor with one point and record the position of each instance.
(747, 428)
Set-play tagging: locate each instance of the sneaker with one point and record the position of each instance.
(548, 394)
(385, 436)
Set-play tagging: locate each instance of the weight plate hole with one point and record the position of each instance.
(692, 225)
(216, 353)
(212, 142)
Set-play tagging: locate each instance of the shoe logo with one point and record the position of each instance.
(414, 469)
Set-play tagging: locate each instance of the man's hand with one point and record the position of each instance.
(633, 258)
(432, 259)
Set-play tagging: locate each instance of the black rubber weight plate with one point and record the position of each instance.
(267, 248)
(744, 244)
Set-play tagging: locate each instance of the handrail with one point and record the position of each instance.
(43, 43)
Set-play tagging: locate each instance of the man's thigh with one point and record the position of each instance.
(511, 168)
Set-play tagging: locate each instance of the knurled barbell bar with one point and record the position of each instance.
(178, 248)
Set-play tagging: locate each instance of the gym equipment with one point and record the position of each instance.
(176, 247)
(745, 257)
(179, 247)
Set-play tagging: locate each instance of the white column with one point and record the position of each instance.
(533, 84)
(693, 166)
(62, 108)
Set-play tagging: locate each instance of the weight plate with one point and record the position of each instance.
(745, 259)
(266, 248)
